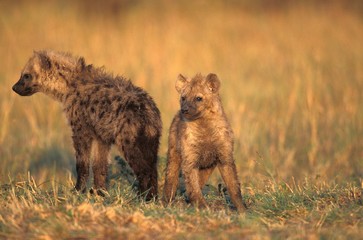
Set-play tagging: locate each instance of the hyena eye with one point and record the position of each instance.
(182, 98)
(199, 99)
(27, 76)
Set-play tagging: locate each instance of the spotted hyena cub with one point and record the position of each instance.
(200, 139)
(102, 110)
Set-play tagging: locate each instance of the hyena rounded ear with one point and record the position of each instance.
(180, 82)
(213, 82)
(45, 62)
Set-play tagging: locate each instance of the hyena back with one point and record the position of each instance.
(102, 110)
(200, 139)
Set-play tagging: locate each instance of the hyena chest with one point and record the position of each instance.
(205, 146)
(208, 154)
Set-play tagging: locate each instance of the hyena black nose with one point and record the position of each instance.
(184, 111)
(14, 88)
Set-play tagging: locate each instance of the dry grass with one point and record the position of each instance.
(292, 87)
(311, 210)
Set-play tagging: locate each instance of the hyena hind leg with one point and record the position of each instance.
(143, 162)
(100, 166)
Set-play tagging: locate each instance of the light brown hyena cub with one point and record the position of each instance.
(200, 139)
(102, 110)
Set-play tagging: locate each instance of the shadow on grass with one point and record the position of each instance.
(53, 160)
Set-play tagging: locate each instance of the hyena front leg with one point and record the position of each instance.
(194, 191)
(229, 174)
(172, 173)
(100, 166)
(82, 146)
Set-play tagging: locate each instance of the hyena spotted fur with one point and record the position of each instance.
(200, 139)
(102, 110)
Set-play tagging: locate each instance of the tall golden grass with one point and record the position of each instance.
(292, 77)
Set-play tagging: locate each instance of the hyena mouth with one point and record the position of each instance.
(21, 91)
(191, 117)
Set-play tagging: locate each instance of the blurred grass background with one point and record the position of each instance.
(291, 71)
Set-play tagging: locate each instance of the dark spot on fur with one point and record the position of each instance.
(119, 109)
(92, 109)
(133, 106)
(61, 75)
(127, 141)
(95, 102)
(122, 125)
(128, 120)
(141, 132)
(101, 115)
(142, 106)
(116, 98)
(67, 96)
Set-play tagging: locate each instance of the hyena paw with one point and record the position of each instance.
(99, 192)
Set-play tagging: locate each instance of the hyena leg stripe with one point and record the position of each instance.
(83, 152)
(100, 165)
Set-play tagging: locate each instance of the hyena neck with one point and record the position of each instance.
(56, 88)
(57, 83)
(216, 110)
(63, 72)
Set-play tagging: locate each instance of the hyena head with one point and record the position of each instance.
(198, 95)
(33, 75)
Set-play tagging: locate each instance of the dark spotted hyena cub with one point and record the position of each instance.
(101, 110)
(200, 139)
